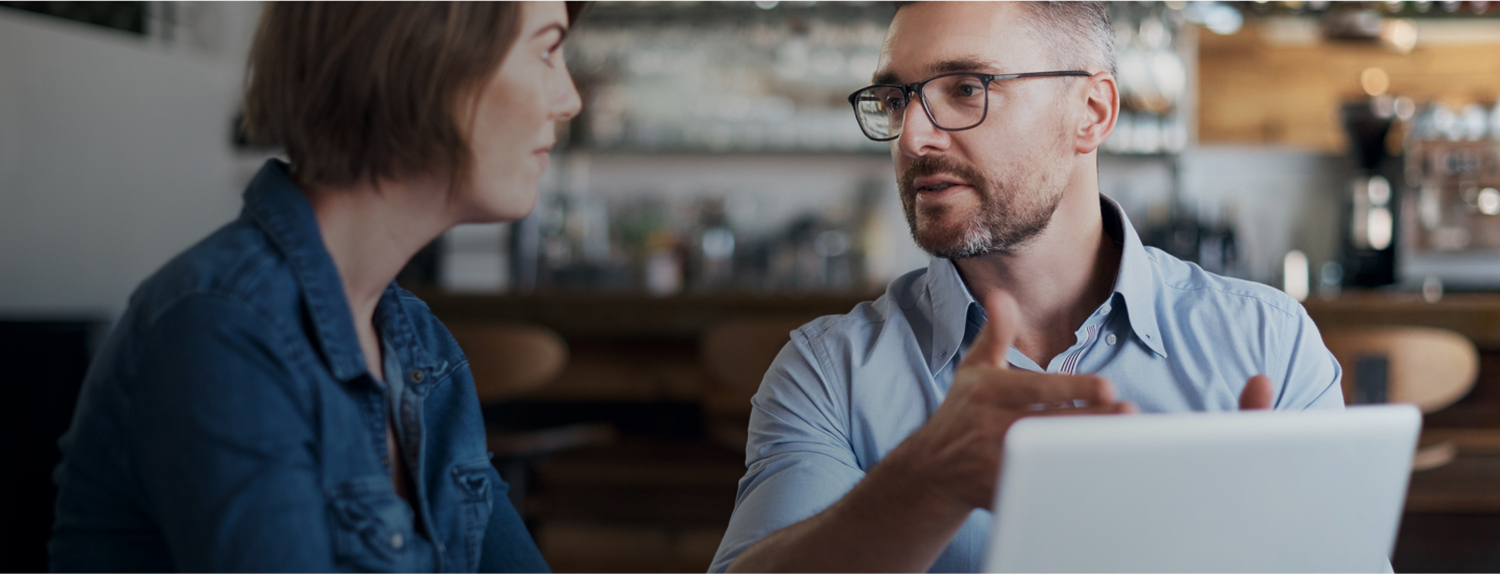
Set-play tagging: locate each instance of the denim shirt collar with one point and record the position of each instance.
(956, 315)
(275, 203)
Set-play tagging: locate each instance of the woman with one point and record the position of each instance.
(271, 400)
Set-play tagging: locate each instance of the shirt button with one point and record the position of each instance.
(1110, 339)
(397, 541)
(417, 376)
(1104, 310)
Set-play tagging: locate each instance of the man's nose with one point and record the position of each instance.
(919, 136)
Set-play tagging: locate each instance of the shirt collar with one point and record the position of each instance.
(275, 203)
(1136, 282)
(954, 309)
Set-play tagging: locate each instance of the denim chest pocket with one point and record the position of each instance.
(476, 485)
(372, 527)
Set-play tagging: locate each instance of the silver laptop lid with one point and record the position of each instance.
(1306, 491)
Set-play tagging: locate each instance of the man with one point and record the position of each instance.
(875, 437)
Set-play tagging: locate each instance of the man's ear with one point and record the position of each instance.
(1101, 107)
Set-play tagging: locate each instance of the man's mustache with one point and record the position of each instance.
(933, 165)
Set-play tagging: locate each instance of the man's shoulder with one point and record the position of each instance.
(1188, 286)
(898, 302)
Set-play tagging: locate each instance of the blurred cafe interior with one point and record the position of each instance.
(716, 192)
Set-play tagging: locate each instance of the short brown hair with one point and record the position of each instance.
(370, 90)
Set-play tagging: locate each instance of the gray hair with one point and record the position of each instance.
(1078, 33)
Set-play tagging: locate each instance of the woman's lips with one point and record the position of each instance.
(543, 154)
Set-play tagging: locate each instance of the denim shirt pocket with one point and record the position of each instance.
(372, 527)
(476, 481)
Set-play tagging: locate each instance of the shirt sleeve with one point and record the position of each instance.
(221, 437)
(1313, 378)
(799, 459)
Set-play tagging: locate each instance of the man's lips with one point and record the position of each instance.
(936, 183)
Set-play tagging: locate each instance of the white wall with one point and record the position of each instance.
(114, 153)
(1279, 200)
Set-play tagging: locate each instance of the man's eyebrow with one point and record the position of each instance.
(940, 67)
(885, 78)
(961, 65)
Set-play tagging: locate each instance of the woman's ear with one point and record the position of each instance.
(1101, 107)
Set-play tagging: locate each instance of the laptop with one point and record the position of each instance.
(1263, 491)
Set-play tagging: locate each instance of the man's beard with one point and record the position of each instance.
(1006, 221)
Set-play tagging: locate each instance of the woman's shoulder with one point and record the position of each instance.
(236, 264)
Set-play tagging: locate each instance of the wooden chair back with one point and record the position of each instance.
(736, 353)
(1429, 367)
(510, 359)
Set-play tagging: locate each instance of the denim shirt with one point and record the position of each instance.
(229, 422)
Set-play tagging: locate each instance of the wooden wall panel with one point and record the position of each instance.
(1259, 92)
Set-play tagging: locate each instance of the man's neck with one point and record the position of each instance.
(1058, 280)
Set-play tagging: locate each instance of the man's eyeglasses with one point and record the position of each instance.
(953, 102)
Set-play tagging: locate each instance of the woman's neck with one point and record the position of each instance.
(372, 232)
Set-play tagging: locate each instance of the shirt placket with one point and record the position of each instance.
(406, 414)
(1090, 332)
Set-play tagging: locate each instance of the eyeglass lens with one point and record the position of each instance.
(953, 102)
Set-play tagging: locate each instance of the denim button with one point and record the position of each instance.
(397, 541)
(417, 376)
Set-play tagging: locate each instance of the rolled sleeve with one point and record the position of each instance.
(798, 457)
(223, 443)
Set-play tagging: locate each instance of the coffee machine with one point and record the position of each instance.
(1451, 213)
(1369, 224)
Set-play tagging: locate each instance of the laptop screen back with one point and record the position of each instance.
(1308, 491)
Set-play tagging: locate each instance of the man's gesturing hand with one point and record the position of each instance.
(955, 459)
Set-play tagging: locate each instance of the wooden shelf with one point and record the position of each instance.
(1474, 315)
(633, 316)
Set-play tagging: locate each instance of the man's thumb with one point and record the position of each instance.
(993, 344)
(1257, 394)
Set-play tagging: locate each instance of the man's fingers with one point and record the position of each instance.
(1022, 388)
(1257, 394)
(1104, 409)
(992, 345)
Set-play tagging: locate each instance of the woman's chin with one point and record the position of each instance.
(507, 207)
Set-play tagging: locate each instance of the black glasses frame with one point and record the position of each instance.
(916, 88)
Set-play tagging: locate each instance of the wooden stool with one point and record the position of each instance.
(736, 354)
(509, 360)
(1431, 368)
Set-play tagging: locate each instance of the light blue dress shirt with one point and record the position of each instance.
(847, 389)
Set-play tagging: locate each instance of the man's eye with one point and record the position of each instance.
(969, 90)
(895, 103)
